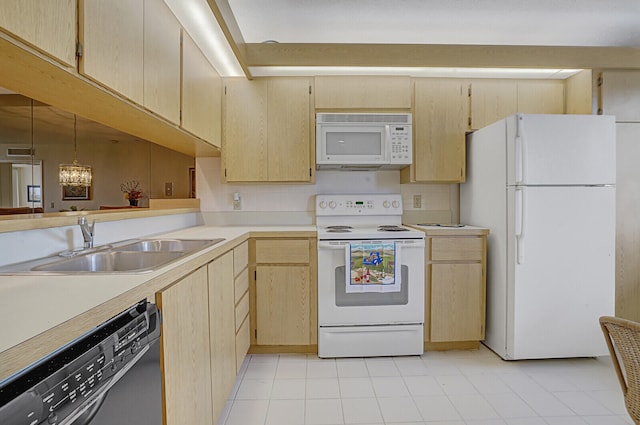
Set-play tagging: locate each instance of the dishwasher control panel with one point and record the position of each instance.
(74, 379)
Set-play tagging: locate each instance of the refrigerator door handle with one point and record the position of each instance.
(519, 163)
(519, 224)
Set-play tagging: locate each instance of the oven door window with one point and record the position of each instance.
(344, 299)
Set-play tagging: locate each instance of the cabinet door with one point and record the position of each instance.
(244, 150)
(111, 33)
(441, 114)
(186, 355)
(161, 60)
(222, 330)
(362, 92)
(288, 135)
(457, 302)
(49, 25)
(491, 101)
(621, 95)
(201, 94)
(282, 305)
(541, 97)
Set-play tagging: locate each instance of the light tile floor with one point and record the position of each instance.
(445, 388)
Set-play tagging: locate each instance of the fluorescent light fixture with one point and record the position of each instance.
(197, 19)
(292, 71)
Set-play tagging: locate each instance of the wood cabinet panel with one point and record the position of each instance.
(620, 95)
(244, 151)
(241, 284)
(49, 26)
(492, 100)
(454, 249)
(267, 130)
(282, 305)
(162, 33)
(441, 111)
(201, 94)
(242, 310)
(282, 251)
(541, 97)
(186, 355)
(362, 92)
(243, 341)
(289, 129)
(240, 258)
(456, 313)
(111, 33)
(222, 330)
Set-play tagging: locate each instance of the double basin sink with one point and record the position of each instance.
(133, 256)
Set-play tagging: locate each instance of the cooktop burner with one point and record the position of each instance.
(341, 230)
(339, 227)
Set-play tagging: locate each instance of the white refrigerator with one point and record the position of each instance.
(545, 187)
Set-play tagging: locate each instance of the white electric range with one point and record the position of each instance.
(370, 278)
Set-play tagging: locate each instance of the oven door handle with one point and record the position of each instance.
(340, 245)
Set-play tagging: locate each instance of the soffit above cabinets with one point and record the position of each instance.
(555, 34)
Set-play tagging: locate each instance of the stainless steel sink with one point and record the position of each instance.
(168, 245)
(111, 261)
(132, 256)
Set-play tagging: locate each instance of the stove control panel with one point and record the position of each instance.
(365, 204)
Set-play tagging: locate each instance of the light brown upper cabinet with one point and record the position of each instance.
(620, 95)
(268, 130)
(492, 100)
(363, 92)
(161, 60)
(541, 97)
(111, 33)
(49, 26)
(441, 111)
(201, 94)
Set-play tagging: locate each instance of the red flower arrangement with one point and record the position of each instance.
(132, 190)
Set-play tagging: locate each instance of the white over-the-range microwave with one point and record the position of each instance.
(363, 141)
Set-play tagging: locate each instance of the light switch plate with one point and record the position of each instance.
(168, 189)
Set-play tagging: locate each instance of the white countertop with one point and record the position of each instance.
(32, 304)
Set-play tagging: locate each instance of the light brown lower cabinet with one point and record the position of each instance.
(205, 338)
(222, 331)
(186, 355)
(283, 295)
(455, 290)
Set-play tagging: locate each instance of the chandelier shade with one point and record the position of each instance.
(75, 174)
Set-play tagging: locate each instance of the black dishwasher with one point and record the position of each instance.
(110, 375)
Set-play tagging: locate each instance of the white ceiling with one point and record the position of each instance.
(468, 22)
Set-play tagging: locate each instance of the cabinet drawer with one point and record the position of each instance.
(282, 251)
(242, 343)
(460, 248)
(240, 257)
(242, 310)
(241, 284)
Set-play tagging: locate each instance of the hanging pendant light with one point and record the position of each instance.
(75, 174)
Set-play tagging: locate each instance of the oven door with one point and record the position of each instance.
(338, 307)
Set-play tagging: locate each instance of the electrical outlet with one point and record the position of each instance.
(417, 202)
(237, 201)
(168, 189)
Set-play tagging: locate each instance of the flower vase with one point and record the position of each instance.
(133, 202)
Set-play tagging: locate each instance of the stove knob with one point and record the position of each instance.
(396, 204)
(332, 204)
(386, 204)
(323, 205)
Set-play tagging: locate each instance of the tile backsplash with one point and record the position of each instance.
(439, 202)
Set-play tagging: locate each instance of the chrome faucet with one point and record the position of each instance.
(87, 231)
